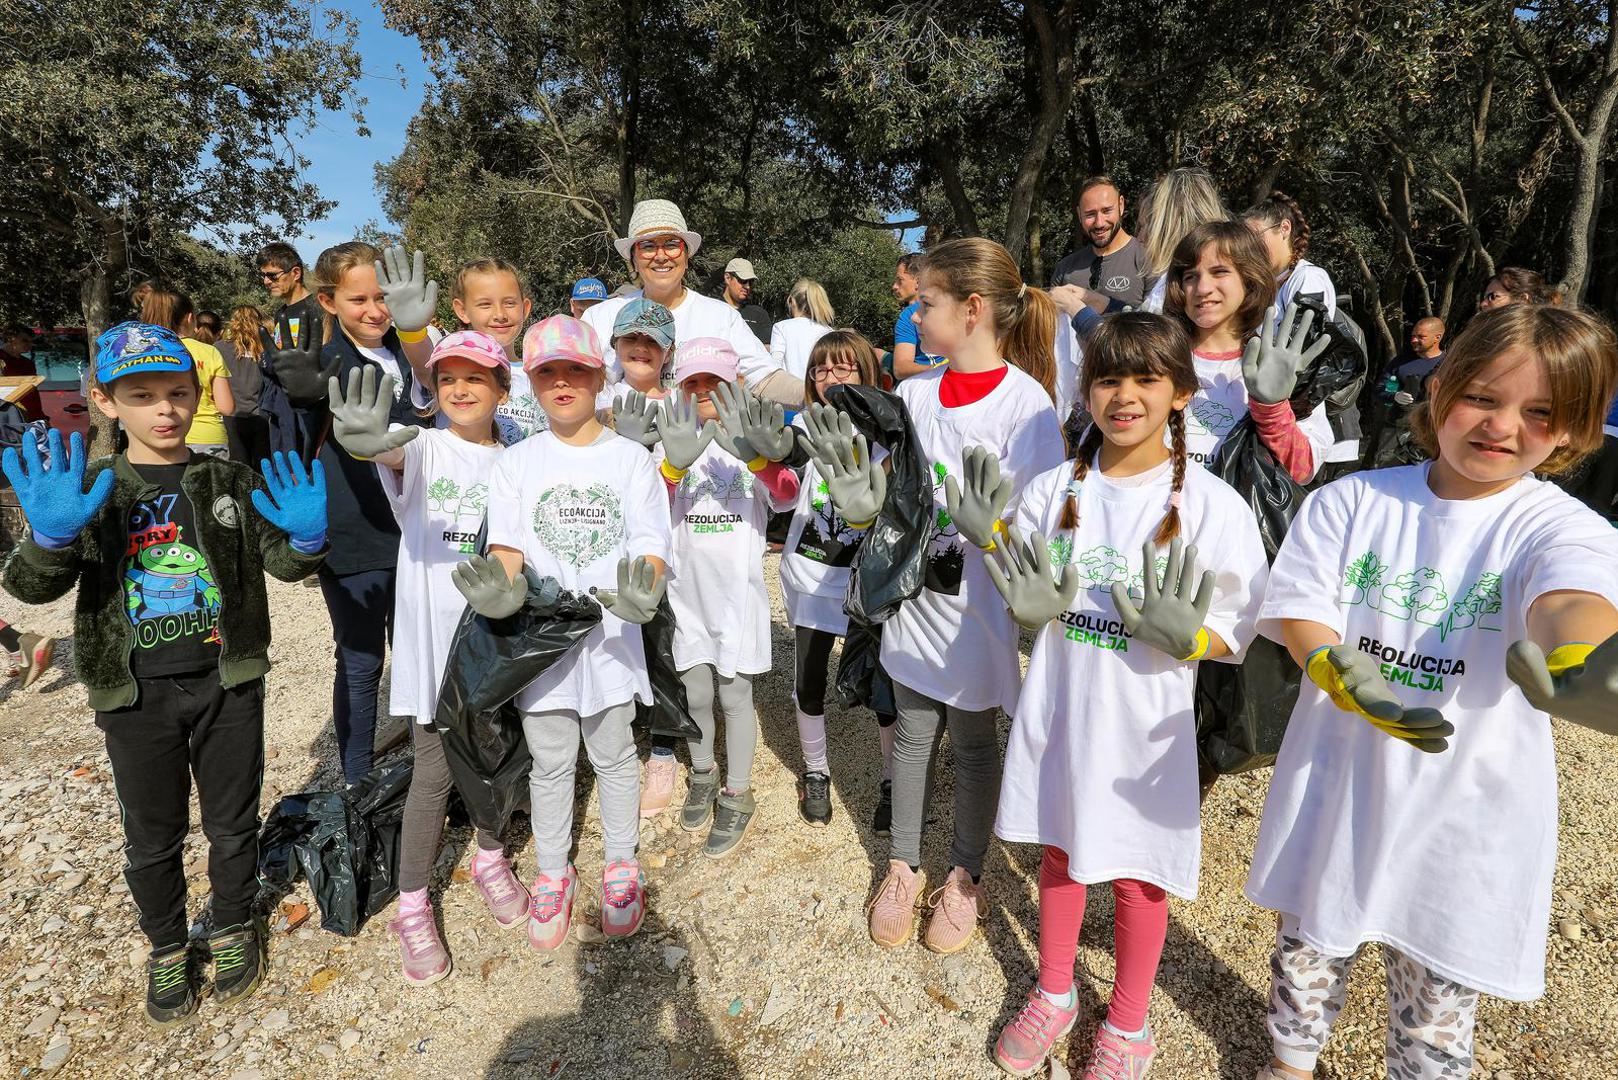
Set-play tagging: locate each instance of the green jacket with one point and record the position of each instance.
(237, 543)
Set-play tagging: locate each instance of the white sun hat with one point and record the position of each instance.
(657, 217)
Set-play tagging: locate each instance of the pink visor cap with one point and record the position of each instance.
(473, 345)
(705, 356)
(561, 337)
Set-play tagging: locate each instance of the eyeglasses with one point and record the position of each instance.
(1495, 297)
(667, 245)
(823, 372)
(272, 275)
(1095, 274)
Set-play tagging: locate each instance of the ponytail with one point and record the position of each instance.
(1024, 316)
(1030, 340)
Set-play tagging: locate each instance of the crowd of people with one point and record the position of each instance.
(1078, 442)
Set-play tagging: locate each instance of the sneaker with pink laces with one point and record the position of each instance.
(623, 898)
(1118, 1058)
(657, 790)
(550, 909)
(957, 906)
(504, 895)
(1026, 1042)
(423, 955)
(893, 909)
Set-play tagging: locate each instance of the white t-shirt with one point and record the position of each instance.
(696, 316)
(1069, 366)
(818, 557)
(1447, 857)
(517, 419)
(955, 642)
(721, 608)
(791, 342)
(1154, 298)
(439, 499)
(389, 364)
(1102, 760)
(1306, 279)
(574, 512)
(1220, 403)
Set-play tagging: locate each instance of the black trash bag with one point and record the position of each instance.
(345, 843)
(860, 677)
(671, 712)
(1242, 711)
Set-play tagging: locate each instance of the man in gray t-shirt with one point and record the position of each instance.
(1111, 263)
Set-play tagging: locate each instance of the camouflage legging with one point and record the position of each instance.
(1430, 1018)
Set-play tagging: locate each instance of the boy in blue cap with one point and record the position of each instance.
(587, 293)
(172, 634)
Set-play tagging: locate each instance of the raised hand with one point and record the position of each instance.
(359, 419)
(984, 501)
(53, 496)
(1169, 619)
(765, 424)
(640, 589)
(1021, 573)
(1353, 682)
(856, 483)
(487, 589)
(295, 501)
(730, 401)
(1580, 688)
(635, 416)
(683, 440)
(297, 364)
(825, 429)
(1275, 355)
(412, 298)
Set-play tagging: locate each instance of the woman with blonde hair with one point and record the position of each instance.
(241, 344)
(1180, 201)
(810, 317)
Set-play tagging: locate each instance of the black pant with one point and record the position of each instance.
(184, 726)
(249, 437)
(361, 609)
(811, 669)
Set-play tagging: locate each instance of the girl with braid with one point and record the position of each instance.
(1101, 768)
(1278, 222)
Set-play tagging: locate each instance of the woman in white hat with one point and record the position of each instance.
(659, 249)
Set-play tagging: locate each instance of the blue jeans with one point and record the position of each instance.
(361, 609)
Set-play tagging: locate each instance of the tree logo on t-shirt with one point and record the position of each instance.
(442, 493)
(1364, 577)
(1061, 548)
(579, 526)
(1475, 606)
(1417, 594)
(1137, 584)
(1100, 566)
(1421, 595)
(1208, 417)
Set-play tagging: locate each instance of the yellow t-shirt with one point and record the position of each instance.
(207, 426)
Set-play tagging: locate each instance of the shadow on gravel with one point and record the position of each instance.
(637, 1017)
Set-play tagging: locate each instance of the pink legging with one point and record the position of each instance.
(1140, 926)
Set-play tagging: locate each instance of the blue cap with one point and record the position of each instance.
(643, 316)
(589, 288)
(133, 348)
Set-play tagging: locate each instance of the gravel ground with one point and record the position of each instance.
(757, 965)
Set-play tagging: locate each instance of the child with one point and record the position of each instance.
(1414, 598)
(1220, 285)
(438, 488)
(1101, 767)
(357, 581)
(815, 568)
(171, 634)
(489, 297)
(643, 337)
(578, 504)
(952, 650)
(721, 458)
(1283, 232)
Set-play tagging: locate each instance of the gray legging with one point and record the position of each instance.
(741, 723)
(430, 782)
(976, 751)
(553, 740)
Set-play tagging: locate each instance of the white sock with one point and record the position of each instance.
(1132, 1036)
(663, 751)
(888, 734)
(1063, 1002)
(812, 739)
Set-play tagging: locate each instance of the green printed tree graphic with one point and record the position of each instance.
(1099, 567)
(1208, 417)
(1061, 549)
(475, 501)
(1475, 605)
(1419, 594)
(441, 493)
(1137, 584)
(942, 521)
(1364, 576)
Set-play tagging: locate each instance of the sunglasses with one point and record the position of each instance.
(272, 275)
(1095, 274)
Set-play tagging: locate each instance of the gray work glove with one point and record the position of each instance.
(683, 440)
(1584, 691)
(411, 297)
(984, 502)
(482, 580)
(1355, 684)
(359, 419)
(730, 401)
(635, 417)
(857, 484)
(1169, 619)
(640, 589)
(1275, 355)
(762, 424)
(1021, 572)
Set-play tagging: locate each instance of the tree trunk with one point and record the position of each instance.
(95, 304)
(949, 175)
(629, 116)
(1053, 58)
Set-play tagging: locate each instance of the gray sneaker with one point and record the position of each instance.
(699, 799)
(730, 818)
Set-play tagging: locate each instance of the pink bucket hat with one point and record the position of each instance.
(473, 345)
(561, 337)
(705, 355)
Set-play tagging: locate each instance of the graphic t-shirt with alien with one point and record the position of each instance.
(169, 593)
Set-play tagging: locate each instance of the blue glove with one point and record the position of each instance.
(53, 496)
(299, 506)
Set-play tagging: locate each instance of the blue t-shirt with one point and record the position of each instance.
(905, 332)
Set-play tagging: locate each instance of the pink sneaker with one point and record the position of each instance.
(623, 898)
(893, 909)
(507, 900)
(657, 790)
(423, 954)
(957, 907)
(550, 909)
(1026, 1042)
(1118, 1058)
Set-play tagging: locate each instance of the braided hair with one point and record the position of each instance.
(1277, 207)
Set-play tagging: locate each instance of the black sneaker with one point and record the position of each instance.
(882, 822)
(173, 987)
(699, 799)
(814, 799)
(730, 817)
(238, 961)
